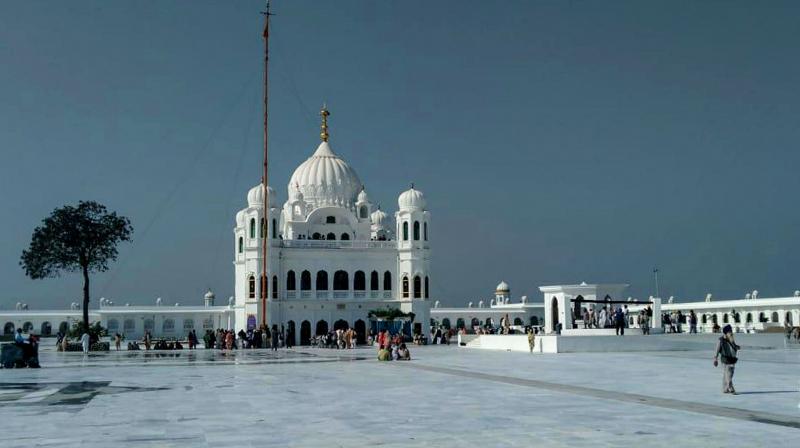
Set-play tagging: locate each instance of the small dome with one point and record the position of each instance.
(378, 217)
(240, 218)
(255, 197)
(502, 287)
(411, 199)
(362, 196)
(295, 195)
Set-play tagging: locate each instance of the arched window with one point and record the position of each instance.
(749, 318)
(387, 281)
(460, 323)
(416, 230)
(789, 318)
(374, 282)
(762, 317)
(518, 321)
(305, 281)
(725, 318)
(405, 231)
(705, 318)
(188, 324)
(359, 281)
(363, 212)
(330, 220)
(27, 327)
(405, 286)
(425, 231)
(241, 244)
(8, 328)
(534, 320)
(274, 286)
(341, 281)
(775, 317)
(47, 329)
(290, 281)
(274, 228)
(322, 281)
(331, 236)
(251, 287)
(426, 287)
(263, 229)
(417, 287)
(446, 323)
(316, 236)
(345, 237)
(252, 228)
(128, 325)
(168, 326)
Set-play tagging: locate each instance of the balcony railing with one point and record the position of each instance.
(336, 244)
(338, 295)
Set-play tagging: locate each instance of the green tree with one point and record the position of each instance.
(71, 239)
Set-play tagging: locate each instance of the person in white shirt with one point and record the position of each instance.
(85, 342)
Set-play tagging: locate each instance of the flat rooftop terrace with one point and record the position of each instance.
(444, 397)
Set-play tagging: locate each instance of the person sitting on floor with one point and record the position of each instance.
(384, 354)
(403, 354)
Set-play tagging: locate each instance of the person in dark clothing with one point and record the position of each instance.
(727, 351)
(619, 321)
(275, 335)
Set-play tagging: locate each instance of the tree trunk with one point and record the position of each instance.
(85, 297)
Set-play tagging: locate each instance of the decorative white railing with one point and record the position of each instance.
(359, 295)
(338, 295)
(305, 295)
(322, 294)
(331, 244)
(341, 294)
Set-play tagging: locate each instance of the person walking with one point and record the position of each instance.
(85, 342)
(726, 352)
(531, 339)
(692, 322)
(117, 340)
(275, 336)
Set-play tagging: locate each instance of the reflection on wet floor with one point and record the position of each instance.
(51, 394)
(199, 357)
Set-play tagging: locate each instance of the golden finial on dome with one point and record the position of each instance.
(324, 128)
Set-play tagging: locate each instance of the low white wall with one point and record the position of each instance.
(633, 343)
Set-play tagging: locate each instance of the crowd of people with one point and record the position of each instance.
(609, 317)
(391, 347)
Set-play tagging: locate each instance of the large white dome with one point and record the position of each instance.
(326, 179)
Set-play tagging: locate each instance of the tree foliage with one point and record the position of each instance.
(72, 238)
(76, 238)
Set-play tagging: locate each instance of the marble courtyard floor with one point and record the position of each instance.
(445, 397)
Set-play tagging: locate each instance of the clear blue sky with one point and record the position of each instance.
(555, 141)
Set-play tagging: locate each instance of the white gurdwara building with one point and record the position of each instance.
(333, 256)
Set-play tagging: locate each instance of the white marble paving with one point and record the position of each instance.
(345, 398)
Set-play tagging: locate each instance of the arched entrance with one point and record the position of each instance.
(446, 323)
(789, 318)
(8, 328)
(460, 323)
(63, 327)
(361, 331)
(341, 325)
(47, 329)
(554, 314)
(305, 332)
(322, 328)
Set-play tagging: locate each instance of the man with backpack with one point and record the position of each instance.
(726, 351)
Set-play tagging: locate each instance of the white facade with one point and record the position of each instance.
(490, 312)
(171, 322)
(332, 257)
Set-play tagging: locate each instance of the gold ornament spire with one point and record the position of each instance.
(324, 128)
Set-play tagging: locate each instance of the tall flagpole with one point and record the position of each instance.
(264, 179)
